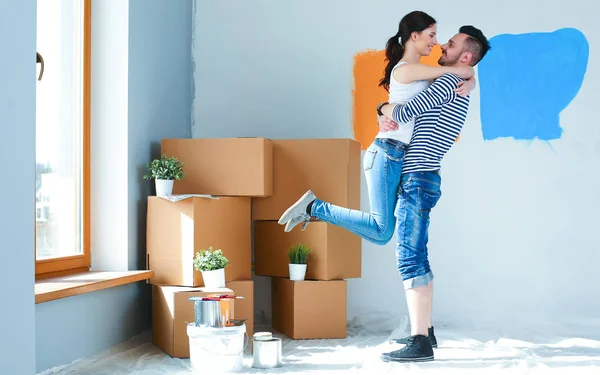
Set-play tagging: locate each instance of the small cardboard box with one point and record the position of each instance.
(244, 308)
(331, 168)
(335, 253)
(309, 309)
(176, 231)
(223, 166)
(172, 311)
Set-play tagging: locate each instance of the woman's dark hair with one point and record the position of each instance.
(413, 21)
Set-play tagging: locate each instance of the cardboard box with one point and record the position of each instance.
(244, 308)
(176, 231)
(335, 253)
(331, 168)
(172, 311)
(223, 166)
(309, 309)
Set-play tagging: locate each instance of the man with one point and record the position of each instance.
(440, 114)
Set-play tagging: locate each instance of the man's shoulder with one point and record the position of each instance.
(449, 79)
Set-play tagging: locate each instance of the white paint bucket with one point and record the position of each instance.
(216, 350)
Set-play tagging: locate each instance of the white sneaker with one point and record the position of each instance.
(297, 211)
(297, 220)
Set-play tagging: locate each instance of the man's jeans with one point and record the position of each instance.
(382, 164)
(418, 194)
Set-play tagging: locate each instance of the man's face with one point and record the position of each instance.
(453, 50)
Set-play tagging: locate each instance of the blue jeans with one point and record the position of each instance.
(382, 164)
(418, 194)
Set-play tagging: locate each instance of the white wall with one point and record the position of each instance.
(17, 149)
(513, 234)
(109, 135)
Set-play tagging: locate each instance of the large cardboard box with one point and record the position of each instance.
(172, 311)
(335, 252)
(244, 308)
(331, 168)
(223, 166)
(309, 309)
(176, 231)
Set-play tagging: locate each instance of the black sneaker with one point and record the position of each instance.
(431, 336)
(417, 349)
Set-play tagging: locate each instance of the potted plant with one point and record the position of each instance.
(164, 171)
(212, 264)
(298, 255)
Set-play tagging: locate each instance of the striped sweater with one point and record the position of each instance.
(440, 114)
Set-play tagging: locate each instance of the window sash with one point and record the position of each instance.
(57, 266)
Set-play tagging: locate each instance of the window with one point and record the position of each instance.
(62, 136)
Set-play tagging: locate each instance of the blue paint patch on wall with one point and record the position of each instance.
(527, 80)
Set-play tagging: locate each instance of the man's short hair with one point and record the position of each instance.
(476, 43)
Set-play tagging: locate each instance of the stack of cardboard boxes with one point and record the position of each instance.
(254, 180)
(314, 308)
(231, 171)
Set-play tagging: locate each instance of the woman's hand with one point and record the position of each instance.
(385, 124)
(465, 87)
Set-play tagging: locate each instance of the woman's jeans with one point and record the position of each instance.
(382, 164)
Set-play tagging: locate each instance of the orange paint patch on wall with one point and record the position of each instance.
(368, 70)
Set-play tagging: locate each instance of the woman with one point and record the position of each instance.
(404, 78)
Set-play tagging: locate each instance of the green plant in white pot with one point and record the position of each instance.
(212, 264)
(164, 172)
(298, 255)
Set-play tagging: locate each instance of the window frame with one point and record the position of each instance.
(77, 263)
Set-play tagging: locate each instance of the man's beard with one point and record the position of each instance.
(445, 61)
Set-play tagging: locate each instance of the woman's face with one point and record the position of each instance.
(426, 40)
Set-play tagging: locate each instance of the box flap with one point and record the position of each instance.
(180, 197)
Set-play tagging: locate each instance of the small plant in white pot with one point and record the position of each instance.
(164, 172)
(212, 264)
(298, 255)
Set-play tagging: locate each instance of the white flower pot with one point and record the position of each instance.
(214, 279)
(164, 187)
(297, 272)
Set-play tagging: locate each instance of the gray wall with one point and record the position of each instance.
(160, 98)
(515, 224)
(80, 326)
(159, 103)
(17, 149)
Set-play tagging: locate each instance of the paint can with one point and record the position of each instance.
(207, 313)
(266, 351)
(216, 350)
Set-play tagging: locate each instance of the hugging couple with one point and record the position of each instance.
(425, 112)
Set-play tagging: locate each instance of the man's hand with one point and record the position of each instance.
(385, 124)
(465, 87)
